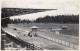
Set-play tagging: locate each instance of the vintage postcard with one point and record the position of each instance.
(39, 24)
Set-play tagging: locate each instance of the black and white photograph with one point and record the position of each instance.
(39, 24)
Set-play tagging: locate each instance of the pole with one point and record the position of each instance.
(3, 41)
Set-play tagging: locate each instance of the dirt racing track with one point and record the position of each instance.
(44, 40)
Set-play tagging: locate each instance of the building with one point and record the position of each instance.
(34, 30)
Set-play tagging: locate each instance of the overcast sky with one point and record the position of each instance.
(62, 6)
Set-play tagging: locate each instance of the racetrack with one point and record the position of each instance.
(43, 43)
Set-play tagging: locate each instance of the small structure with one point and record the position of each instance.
(64, 27)
(33, 31)
(56, 30)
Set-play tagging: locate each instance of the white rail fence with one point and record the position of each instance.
(70, 45)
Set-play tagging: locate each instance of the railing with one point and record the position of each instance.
(69, 45)
(33, 47)
(22, 43)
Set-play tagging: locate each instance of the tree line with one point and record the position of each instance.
(46, 19)
(15, 21)
(59, 19)
(50, 19)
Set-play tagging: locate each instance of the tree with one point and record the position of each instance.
(59, 19)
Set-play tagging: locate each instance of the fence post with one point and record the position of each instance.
(28, 46)
(53, 39)
(60, 41)
(3, 41)
(18, 47)
(76, 47)
(11, 45)
(71, 45)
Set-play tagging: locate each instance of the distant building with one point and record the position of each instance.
(64, 27)
(56, 30)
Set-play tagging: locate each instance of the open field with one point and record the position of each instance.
(73, 29)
